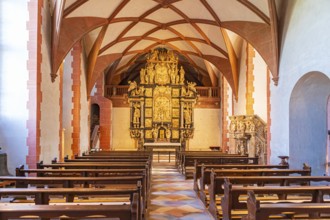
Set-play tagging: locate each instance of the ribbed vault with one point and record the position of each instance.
(206, 34)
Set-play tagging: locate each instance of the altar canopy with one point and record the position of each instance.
(162, 104)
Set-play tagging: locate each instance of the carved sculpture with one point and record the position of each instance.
(162, 107)
(248, 135)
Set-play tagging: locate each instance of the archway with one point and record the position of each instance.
(95, 123)
(308, 122)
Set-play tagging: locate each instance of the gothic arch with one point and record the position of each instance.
(307, 122)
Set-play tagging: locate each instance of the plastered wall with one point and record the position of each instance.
(304, 48)
(260, 87)
(84, 111)
(13, 81)
(207, 123)
(239, 104)
(67, 104)
(121, 139)
(50, 109)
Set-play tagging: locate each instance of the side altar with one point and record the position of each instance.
(162, 104)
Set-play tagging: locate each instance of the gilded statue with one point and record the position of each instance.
(173, 73)
(151, 73)
(155, 133)
(162, 76)
(132, 86)
(168, 133)
(181, 75)
(136, 114)
(142, 75)
(187, 115)
(153, 56)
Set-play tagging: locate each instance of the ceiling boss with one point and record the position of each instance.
(162, 104)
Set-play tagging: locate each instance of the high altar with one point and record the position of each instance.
(162, 105)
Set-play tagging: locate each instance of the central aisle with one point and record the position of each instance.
(172, 197)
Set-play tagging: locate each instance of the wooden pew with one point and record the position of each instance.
(21, 171)
(199, 167)
(85, 165)
(70, 182)
(186, 158)
(122, 159)
(257, 211)
(112, 156)
(216, 189)
(189, 161)
(123, 212)
(181, 154)
(230, 199)
(206, 175)
(109, 153)
(42, 195)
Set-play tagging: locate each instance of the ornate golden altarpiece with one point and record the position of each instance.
(162, 105)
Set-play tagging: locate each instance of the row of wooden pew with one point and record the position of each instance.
(250, 191)
(111, 184)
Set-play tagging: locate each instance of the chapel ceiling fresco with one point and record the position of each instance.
(206, 33)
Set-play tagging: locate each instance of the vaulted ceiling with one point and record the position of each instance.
(207, 33)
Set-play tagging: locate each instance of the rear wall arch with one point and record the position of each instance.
(308, 122)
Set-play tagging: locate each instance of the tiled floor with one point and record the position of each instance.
(172, 197)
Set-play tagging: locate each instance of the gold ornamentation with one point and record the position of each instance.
(148, 112)
(175, 134)
(162, 104)
(175, 103)
(134, 90)
(148, 123)
(175, 123)
(136, 115)
(164, 98)
(182, 75)
(149, 134)
(142, 76)
(148, 102)
(176, 113)
(176, 92)
(148, 92)
(187, 115)
(135, 133)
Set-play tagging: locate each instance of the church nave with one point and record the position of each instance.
(172, 197)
